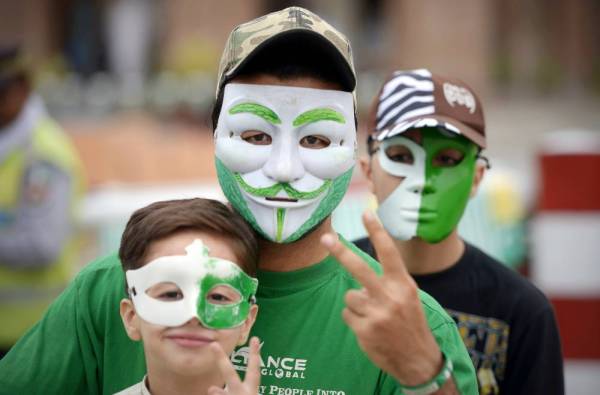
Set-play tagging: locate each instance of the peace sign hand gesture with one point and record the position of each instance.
(386, 314)
(233, 384)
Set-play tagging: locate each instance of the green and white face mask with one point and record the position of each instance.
(284, 155)
(430, 200)
(214, 290)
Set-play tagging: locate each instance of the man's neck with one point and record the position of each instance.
(170, 383)
(421, 257)
(281, 257)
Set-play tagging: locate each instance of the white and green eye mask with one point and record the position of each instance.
(195, 275)
(282, 183)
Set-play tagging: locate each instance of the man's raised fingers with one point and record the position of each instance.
(387, 253)
(357, 301)
(353, 263)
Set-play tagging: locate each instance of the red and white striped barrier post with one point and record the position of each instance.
(566, 250)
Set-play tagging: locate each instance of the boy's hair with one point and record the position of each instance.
(163, 219)
(291, 57)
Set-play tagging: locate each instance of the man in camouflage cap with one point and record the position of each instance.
(285, 138)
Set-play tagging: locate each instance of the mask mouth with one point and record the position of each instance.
(420, 215)
(282, 199)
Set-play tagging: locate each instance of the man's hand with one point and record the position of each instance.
(386, 314)
(234, 386)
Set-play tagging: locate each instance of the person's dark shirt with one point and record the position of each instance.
(507, 324)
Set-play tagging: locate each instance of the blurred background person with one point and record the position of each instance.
(40, 185)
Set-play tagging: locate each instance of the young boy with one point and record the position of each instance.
(188, 301)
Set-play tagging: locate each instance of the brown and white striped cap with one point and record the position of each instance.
(417, 98)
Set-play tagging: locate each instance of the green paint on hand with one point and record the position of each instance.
(257, 109)
(318, 114)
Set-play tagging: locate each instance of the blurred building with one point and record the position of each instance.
(542, 46)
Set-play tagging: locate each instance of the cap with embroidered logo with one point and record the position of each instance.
(418, 98)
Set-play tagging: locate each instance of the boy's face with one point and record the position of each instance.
(183, 349)
(422, 180)
(285, 152)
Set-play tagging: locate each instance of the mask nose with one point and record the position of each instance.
(419, 185)
(284, 164)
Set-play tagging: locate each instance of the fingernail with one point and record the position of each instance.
(369, 215)
(328, 240)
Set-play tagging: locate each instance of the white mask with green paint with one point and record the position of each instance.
(431, 198)
(215, 291)
(284, 155)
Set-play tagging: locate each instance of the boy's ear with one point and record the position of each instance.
(130, 319)
(365, 166)
(247, 325)
(479, 173)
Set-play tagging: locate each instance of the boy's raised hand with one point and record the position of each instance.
(233, 384)
(386, 314)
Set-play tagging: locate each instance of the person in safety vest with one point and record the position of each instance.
(39, 185)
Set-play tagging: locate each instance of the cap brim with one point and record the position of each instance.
(432, 121)
(295, 35)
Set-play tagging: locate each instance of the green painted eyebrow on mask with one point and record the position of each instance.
(318, 114)
(257, 109)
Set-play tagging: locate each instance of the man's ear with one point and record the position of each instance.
(365, 166)
(479, 173)
(247, 325)
(130, 319)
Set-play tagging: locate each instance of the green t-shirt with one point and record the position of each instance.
(80, 345)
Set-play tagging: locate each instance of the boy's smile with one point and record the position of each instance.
(189, 338)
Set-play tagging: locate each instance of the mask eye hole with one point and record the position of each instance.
(315, 141)
(165, 291)
(400, 154)
(256, 137)
(448, 157)
(223, 294)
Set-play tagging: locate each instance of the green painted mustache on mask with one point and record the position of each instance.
(273, 190)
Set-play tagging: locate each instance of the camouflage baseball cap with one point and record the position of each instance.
(249, 38)
(412, 99)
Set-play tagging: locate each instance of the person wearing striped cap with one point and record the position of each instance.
(425, 137)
